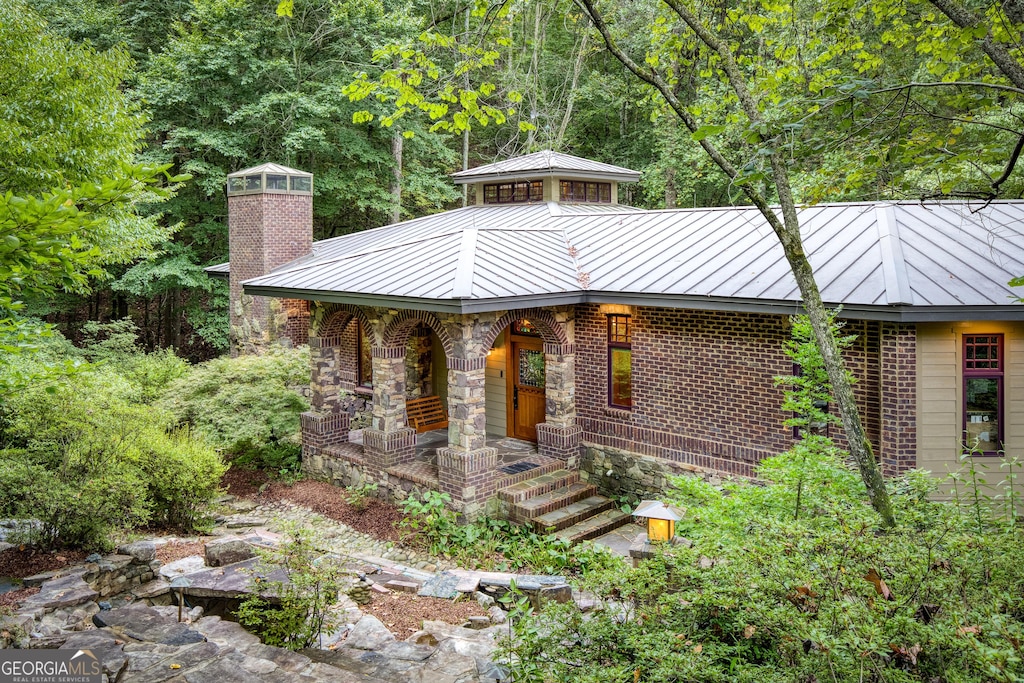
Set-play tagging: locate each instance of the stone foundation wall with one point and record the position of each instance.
(617, 472)
(334, 468)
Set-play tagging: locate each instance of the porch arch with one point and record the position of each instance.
(397, 331)
(556, 341)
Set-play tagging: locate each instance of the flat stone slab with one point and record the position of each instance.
(402, 586)
(441, 585)
(65, 591)
(140, 622)
(244, 522)
(186, 565)
(152, 589)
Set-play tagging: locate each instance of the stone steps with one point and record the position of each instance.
(595, 526)
(539, 485)
(574, 513)
(546, 503)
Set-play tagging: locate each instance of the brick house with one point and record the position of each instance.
(626, 344)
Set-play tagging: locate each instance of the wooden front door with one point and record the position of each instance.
(527, 395)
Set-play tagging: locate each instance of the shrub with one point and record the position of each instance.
(84, 460)
(298, 592)
(245, 404)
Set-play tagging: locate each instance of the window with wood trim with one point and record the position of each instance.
(620, 361)
(365, 360)
(514, 193)
(584, 191)
(983, 367)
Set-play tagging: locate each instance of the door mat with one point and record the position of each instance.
(518, 467)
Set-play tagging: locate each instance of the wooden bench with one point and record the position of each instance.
(426, 414)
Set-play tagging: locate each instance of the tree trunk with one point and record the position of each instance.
(787, 230)
(397, 142)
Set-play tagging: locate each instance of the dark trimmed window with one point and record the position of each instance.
(585, 191)
(620, 361)
(514, 193)
(365, 360)
(983, 392)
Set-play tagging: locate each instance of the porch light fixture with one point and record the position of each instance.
(661, 519)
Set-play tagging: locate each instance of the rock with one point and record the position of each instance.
(477, 622)
(95, 557)
(104, 605)
(244, 522)
(407, 651)
(66, 591)
(448, 665)
(369, 634)
(103, 645)
(377, 588)
(560, 594)
(224, 551)
(422, 638)
(186, 565)
(484, 600)
(147, 624)
(402, 586)
(705, 562)
(152, 589)
(4, 545)
(497, 615)
(141, 552)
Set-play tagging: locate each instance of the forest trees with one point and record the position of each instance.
(68, 184)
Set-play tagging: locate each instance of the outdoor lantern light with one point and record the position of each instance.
(180, 583)
(661, 519)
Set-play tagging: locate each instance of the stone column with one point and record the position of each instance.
(559, 436)
(898, 388)
(388, 441)
(466, 468)
(326, 424)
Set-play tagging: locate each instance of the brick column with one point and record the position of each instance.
(466, 468)
(319, 431)
(559, 436)
(898, 388)
(388, 441)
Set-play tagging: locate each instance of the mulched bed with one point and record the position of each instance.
(13, 599)
(404, 613)
(378, 519)
(18, 563)
(176, 550)
(244, 483)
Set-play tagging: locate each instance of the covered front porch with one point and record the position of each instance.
(393, 358)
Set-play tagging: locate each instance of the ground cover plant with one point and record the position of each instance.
(493, 544)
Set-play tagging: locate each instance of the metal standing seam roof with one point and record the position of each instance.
(546, 162)
(895, 261)
(269, 168)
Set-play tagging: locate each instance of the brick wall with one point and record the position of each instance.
(265, 231)
(703, 390)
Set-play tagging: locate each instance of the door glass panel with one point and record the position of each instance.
(982, 413)
(531, 368)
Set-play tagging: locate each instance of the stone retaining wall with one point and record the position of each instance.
(617, 472)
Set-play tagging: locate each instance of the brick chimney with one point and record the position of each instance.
(270, 222)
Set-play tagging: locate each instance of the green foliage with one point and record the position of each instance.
(359, 496)
(298, 592)
(245, 404)
(84, 458)
(761, 596)
(493, 543)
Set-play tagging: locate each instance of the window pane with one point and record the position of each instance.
(564, 190)
(302, 184)
(620, 385)
(253, 182)
(531, 368)
(365, 360)
(536, 191)
(277, 182)
(981, 410)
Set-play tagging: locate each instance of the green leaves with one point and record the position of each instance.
(706, 131)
